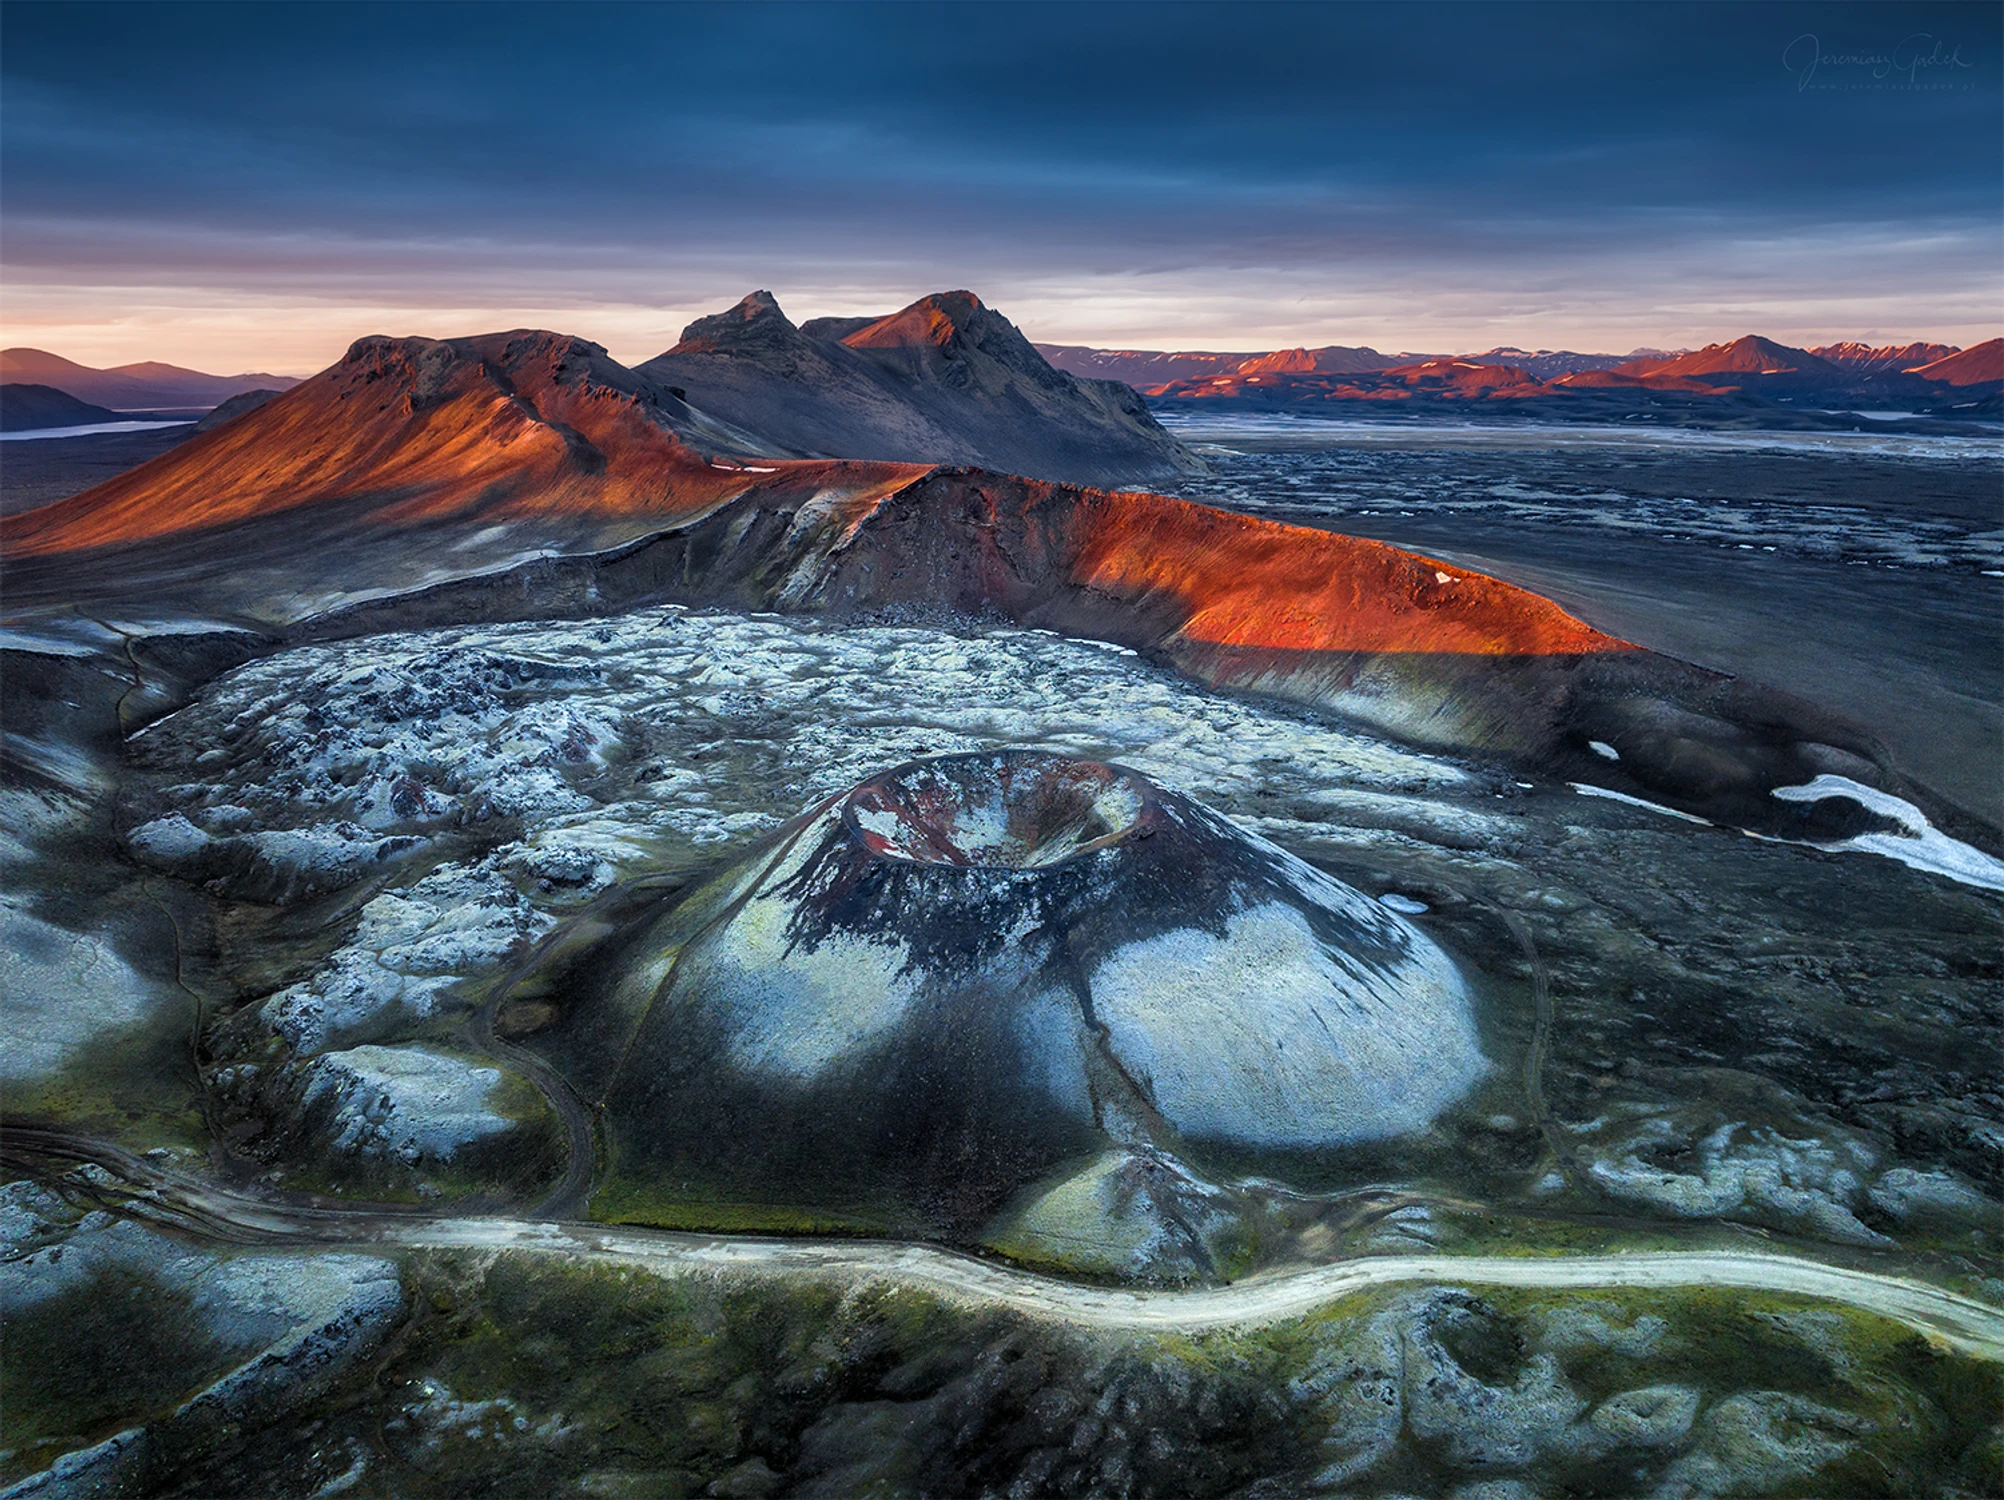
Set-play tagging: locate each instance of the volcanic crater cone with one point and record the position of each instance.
(932, 990)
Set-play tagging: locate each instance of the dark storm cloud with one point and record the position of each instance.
(614, 150)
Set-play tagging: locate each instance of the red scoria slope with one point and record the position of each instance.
(508, 425)
(1241, 581)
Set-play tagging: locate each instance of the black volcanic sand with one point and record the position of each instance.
(40, 471)
(1847, 572)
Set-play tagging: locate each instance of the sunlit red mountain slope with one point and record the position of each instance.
(1974, 366)
(504, 426)
(1748, 355)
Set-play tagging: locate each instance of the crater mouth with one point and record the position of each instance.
(1000, 810)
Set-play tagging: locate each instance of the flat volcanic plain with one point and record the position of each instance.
(1863, 572)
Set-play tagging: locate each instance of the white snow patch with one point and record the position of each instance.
(1922, 847)
(1603, 749)
(1586, 790)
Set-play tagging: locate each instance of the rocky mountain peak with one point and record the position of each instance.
(755, 325)
(946, 379)
(940, 319)
(1750, 354)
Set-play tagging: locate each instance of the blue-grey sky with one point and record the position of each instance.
(253, 185)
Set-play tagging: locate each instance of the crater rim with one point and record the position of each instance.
(1011, 811)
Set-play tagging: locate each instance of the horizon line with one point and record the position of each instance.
(1124, 347)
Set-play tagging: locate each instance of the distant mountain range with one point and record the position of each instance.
(147, 386)
(1751, 381)
(1549, 364)
(1147, 369)
(1870, 361)
(24, 408)
(947, 379)
(1178, 375)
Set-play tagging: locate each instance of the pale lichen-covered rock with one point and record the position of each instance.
(1676, 1162)
(409, 951)
(254, 1336)
(1759, 1441)
(1141, 1215)
(272, 865)
(1509, 1419)
(1480, 1391)
(400, 1104)
(60, 989)
(1906, 1193)
(1653, 1416)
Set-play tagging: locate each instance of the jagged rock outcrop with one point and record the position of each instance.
(946, 380)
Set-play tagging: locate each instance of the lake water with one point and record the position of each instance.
(89, 429)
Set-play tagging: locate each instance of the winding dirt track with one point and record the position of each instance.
(202, 1209)
(1960, 1322)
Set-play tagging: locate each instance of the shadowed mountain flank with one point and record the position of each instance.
(233, 408)
(944, 380)
(24, 408)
